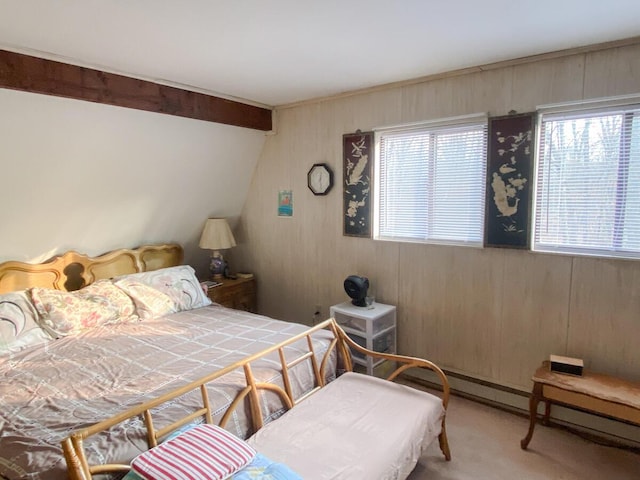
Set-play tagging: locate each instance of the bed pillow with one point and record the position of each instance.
(179, 284)
(65, 313)
(205, 452)
(149, 302)
(18, 323)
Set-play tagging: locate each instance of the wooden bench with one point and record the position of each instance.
(592, 392)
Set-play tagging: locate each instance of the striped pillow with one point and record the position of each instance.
(205, 452)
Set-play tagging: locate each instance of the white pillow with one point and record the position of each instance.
(150, 303)
(180, 288)
(19, 326)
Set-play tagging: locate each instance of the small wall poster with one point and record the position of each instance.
(509, 166)
(285, 203)
(357, 149)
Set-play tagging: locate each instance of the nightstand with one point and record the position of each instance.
(372, 327)
(239, 294)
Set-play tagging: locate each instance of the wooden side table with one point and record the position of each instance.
(596, 393)
(239, 294)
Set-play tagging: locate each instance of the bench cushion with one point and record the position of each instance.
(357, 427)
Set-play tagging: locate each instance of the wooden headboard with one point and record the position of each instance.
(72, 270)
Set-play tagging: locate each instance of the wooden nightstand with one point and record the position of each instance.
(239, 294)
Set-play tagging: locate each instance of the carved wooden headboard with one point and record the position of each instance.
(72, 270)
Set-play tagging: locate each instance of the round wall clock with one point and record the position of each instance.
(320, 179)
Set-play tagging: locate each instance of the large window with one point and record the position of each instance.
(430, 182)
(588, 182)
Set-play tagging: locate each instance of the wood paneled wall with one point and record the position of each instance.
(493, 314)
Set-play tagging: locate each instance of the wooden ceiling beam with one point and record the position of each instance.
(38, 75)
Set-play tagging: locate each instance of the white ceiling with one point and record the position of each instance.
(275, 52)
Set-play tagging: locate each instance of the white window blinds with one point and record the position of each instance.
(430, 183)
(588, 182)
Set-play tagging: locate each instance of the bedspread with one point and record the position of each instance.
(51, 390)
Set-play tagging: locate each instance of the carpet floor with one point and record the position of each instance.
(485, 445)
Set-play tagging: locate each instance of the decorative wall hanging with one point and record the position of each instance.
(509, 165)
(357, 151)
(285, 203)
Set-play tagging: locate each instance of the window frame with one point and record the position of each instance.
(581, 109)
(474, 120)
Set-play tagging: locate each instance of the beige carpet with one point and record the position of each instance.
(485, 444)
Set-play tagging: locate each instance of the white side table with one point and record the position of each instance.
(373, 327)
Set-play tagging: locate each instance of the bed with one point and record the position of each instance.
(58, 376)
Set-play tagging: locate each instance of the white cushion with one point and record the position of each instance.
(355, 427)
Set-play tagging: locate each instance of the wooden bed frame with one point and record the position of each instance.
(72, 271)
(80, 469)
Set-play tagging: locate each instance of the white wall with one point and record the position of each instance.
(92, 177)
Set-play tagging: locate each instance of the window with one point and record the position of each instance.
(588, 182)
(430, 182)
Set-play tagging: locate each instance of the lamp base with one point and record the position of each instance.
(217, 266)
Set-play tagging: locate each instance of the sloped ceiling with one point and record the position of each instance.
(283, 51)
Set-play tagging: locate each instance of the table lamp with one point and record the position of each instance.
(217, 236)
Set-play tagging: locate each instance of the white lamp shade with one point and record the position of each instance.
(217, 235)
